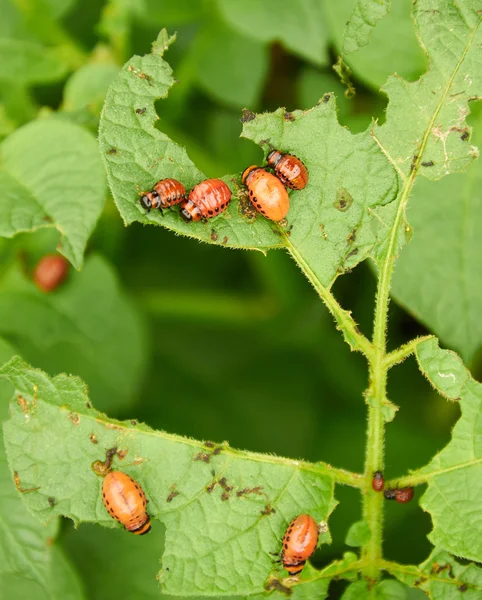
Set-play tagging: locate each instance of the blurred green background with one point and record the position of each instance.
(201, 341)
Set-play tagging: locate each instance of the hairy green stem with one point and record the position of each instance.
(403, 352)
(344, 321)
(377, 395)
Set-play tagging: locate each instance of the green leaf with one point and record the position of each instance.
(312, 583)
(392, 48)
(441, 576)
(87, 325)
(363, 19)
(30, 565)
(297, 24)
(358, 535)
(220, 528)
(437, 104)
(51, 176)
(230, 66)
(455, 474)
(425, 118)
(437, 277)
(385, 590)
(87, 87)
(137, 155)
(29, 62)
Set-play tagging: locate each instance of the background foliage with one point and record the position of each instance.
(270, 373)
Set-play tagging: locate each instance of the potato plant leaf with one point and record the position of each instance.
(438, 276)
(76, 328)
(426, 118)
(392, 44)
(224, 510)
(333, 222)
(442, 576)
(426, 132)
(29, 62)
(51, 176)
(30, 565)
(236, 75)
(313, 583)
(363, 19)
(385, 590)
(455, 474)
(297, 24)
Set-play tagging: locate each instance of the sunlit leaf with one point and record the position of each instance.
(438, 276)
(224, 510)
(455, 474)
(319, 224)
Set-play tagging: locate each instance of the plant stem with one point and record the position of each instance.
(376, 395)
(344, 321)
(403, 352)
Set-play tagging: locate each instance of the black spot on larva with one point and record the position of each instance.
(326, 98)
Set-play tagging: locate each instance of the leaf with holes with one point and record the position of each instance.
(225, 510)
(426, 132)
(438, 276)
(426, 123)
(333, 222)
(443, 576)
(455, 474)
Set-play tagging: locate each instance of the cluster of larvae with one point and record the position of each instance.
(267, 191)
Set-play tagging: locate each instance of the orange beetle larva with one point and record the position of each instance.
(126, 502)
(206, 199)
(164, 194)
(267, 193)
(50, 272)
(378, 481)
(404, 495)
(289, 169)
(299, 543)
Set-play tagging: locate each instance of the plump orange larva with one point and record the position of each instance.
(207, 199)
(267, 193)
(50, 272)
(164, 194)
(299, 543)
(289, 169)
(126, 502)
